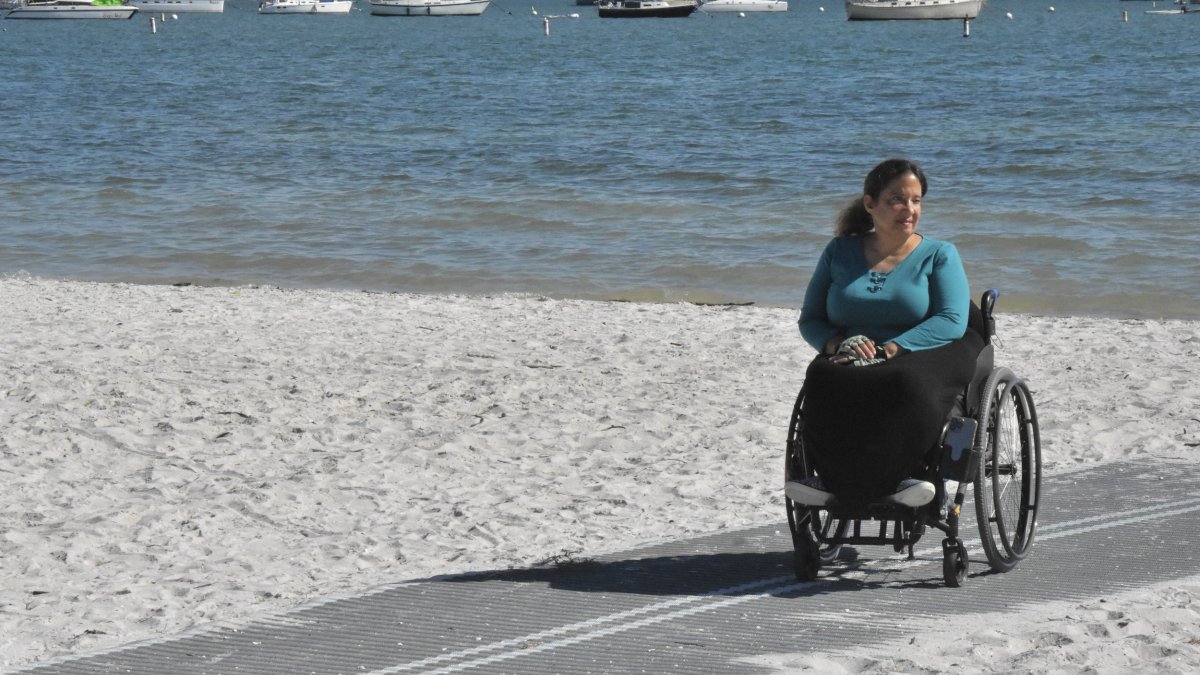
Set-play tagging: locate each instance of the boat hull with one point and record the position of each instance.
(630, 10)
(73, 12)
(429, 7)
(321, 7)
(181, 6)
(1183, 9)
(745, 6)
(888, 10)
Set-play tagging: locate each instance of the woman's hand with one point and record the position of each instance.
(858, 347)
(862, 350)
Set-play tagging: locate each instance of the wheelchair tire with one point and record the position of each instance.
(804, 521)
(807, 560)
(1008, 478)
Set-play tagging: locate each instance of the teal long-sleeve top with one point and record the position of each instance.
(922, 303)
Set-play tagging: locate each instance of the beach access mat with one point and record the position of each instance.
(710, 604)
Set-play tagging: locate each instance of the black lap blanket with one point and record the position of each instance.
(866, 428)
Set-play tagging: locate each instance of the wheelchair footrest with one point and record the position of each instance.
(877, 530)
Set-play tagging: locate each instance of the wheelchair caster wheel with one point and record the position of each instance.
(954, 562)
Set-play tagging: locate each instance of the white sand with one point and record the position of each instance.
(176, 456)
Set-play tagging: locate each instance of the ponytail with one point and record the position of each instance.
(853, 219)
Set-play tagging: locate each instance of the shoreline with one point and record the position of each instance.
(1182, 308)
(169, 448)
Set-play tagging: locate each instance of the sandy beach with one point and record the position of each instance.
(175, 456)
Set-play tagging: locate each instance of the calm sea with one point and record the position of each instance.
(693, 159)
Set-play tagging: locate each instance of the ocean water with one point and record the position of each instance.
(699, 159)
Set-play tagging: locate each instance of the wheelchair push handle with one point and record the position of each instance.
(987, 307)
(988, 302)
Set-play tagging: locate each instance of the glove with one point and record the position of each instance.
(846, 348)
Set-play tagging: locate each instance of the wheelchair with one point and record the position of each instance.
(990, 441)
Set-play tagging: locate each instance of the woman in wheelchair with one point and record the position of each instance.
(904, 402)
(887, 309)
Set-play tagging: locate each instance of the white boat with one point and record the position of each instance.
(883, 10)
(428, 7)
(71, 9)
(305, 6)
(180, 6)
(1183, 8)
(612, 9)
(744, 6)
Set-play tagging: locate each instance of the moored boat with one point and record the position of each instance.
(884, 10)
(1183, 8)
(428, 7)
(744, 6)
(180, 6)
(71, 9)
(612, 9)
(305, 6)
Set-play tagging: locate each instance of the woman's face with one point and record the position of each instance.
(898, 207)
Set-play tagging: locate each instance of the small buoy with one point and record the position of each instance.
(546, 25)
(534, 10)
(574, 15)
(966, 28)
(1008, 14)
(821, 8)
(1125, 16)
(174, 17)
(153, 26)
(1051, 8)
(741, 15)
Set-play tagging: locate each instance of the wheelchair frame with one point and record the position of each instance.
(1004, 465)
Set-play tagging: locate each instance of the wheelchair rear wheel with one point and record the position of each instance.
(808, 525)
(1008, 478)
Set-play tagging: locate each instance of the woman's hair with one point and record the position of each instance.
(854, 218)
